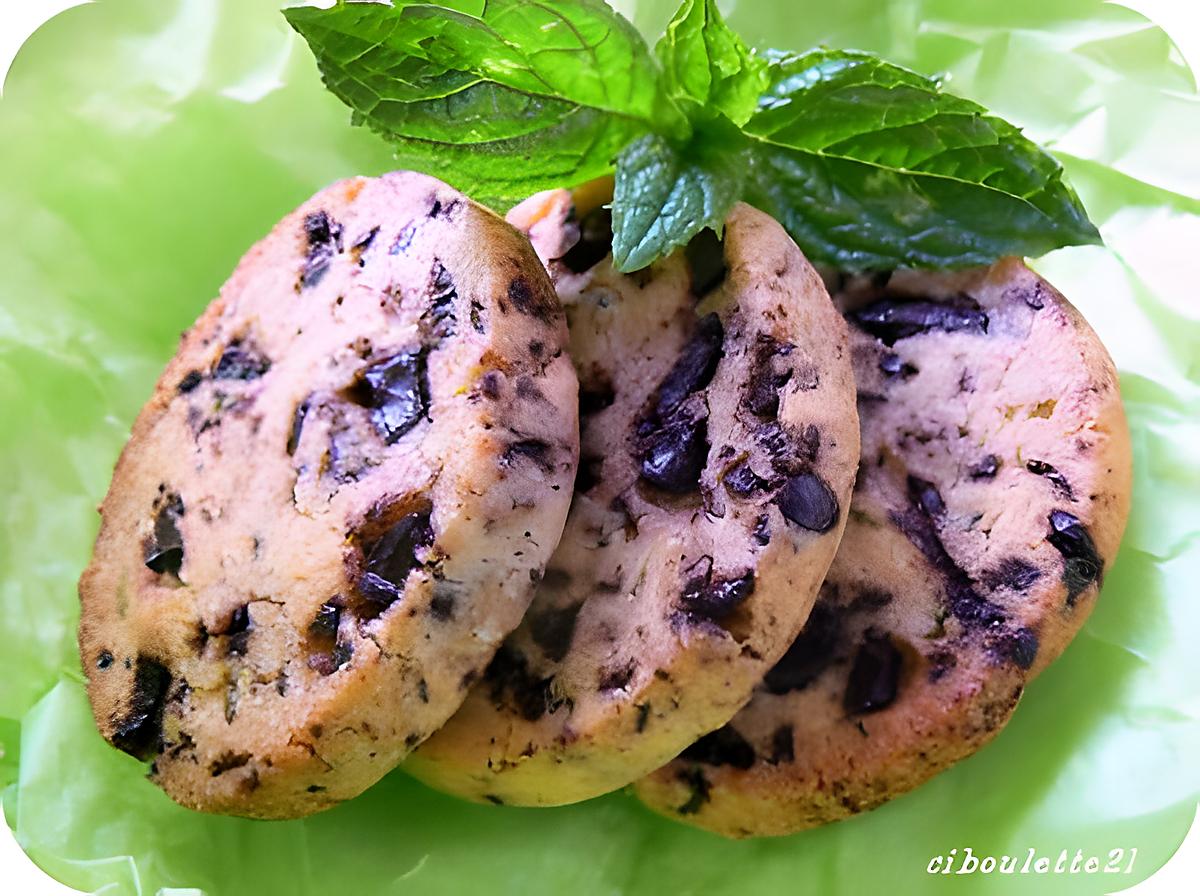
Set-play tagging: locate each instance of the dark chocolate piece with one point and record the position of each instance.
(396, 390)
(139, 732)
(163, 552)
(392, 557)
(890, 320)
(810, 654)
(674, 456)
(874, 675)
(694, 368)
(1083, 566)
(552, 630)
(721, 747)
(808, 502)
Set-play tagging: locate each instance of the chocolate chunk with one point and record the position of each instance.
(530, 300)
(810, 654)
(742, 481)
(298, 416)
(617, 677)
(762, 395)
(695, 367)
(390, 559)
(762, 530)
(792, 451)
(595, 241)
(342, 653)
(892, 365)
(808, 502)
(325, 623)
(705, 256)
(674, 457)
(324, 237)
(512, 683)
(438, 209)
(926, 496)
(700, 791)
(1083, 564)
(320, 228)
(441, 604)
(721, 747)
(190, 381)
(985, 468)
(534, 450)
(874, 675)
(139, 732)
(783, 745)
(1018, 645)
(163, 552)
(715, 598)
(440, 317)
(1013, 573)
(238, 630)
(968, 606)
(1041, 468)
(397, 392)
(553, 629)
(890, 320)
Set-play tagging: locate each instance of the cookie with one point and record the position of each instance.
(335, 505)
(992, 494)
(718, 447)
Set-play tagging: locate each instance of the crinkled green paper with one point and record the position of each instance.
(144, 144)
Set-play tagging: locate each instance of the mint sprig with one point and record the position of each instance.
(499, 98)
(867, 164)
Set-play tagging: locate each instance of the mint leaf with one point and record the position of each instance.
(707, 64)
(865, 163)
(499, 97)
(869, 165)
(664, 196)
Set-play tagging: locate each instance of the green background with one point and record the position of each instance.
(145, 144)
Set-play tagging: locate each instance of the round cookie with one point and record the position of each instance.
(718, 448)
(335, 505)
(993, 490)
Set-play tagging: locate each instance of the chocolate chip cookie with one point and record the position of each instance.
(719, 441)
(992, 494)
(336, 504)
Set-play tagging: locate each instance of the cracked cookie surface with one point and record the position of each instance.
(992, 494)
(718, 446)
(336, 503)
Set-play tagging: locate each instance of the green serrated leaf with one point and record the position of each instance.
(707, 65)
(663, 197)
(869, 164)
(471, 90)
(858, 216)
